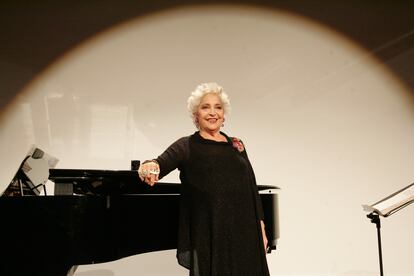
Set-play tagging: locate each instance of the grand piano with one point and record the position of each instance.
(96, 216)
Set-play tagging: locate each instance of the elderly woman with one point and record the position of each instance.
(221, 229)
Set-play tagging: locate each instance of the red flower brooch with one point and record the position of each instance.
(237, 144)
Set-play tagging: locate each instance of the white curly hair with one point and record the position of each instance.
(207, 88)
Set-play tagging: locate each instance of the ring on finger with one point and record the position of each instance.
(144, 173)
(154, 171)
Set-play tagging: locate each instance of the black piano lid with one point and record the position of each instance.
(60, 173)
(105, 182)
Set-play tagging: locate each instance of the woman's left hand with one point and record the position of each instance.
(264, 236)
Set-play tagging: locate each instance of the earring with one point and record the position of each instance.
(222, 125)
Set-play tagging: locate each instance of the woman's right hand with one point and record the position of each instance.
(148, 172)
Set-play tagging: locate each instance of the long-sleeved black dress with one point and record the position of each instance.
(220, 208)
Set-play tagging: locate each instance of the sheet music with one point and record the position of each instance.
(35, 166)
(393, 202)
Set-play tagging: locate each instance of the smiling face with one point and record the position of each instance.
(210, 113)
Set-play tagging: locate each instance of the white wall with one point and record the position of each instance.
(321, 118)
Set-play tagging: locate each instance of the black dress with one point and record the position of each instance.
(220, 208)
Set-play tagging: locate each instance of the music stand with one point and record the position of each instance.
(32, 174)
(386, 207)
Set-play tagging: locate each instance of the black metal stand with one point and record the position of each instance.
(375, 219)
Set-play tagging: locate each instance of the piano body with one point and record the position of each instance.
(96, 216)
